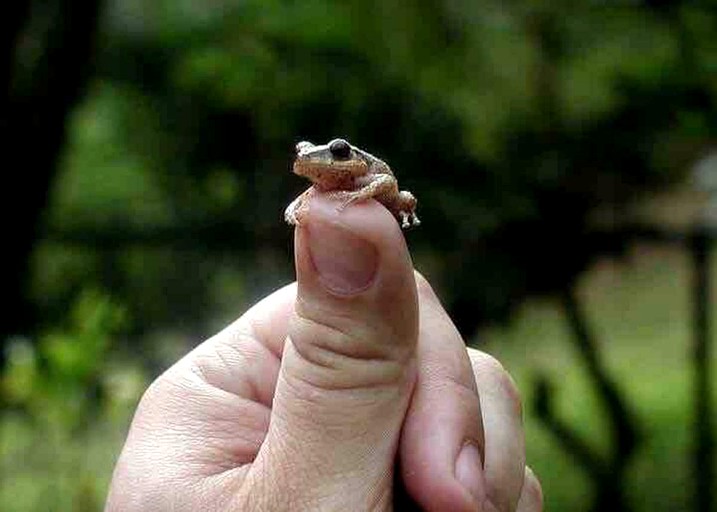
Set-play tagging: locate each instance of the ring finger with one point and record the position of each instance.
(505, 469)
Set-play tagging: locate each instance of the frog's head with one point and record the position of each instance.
(336, 160)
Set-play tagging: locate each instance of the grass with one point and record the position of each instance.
(43, 469)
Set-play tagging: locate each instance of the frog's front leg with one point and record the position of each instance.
(297, 208)
(379, 186)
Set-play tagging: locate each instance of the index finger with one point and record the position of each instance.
(442, 444)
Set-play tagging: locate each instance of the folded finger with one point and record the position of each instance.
(531, 496)
(504, 435)
(442, 439)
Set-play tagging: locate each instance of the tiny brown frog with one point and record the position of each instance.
(351, 174)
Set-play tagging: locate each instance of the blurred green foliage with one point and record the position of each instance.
(54, 379)
(67, 399)
(511, 122)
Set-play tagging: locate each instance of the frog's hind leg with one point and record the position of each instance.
(406, 207)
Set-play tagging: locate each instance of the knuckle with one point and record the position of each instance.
(532, 489)
(314, 340)
(510, 389)
(494, 374)
(325, 358)
(318, 334)
(334, 347)
(156, 391)
(158, 401)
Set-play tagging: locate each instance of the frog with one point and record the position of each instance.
(350, 174)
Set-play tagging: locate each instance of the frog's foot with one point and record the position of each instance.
(297, 208)
(408, 219)
(407, 210)
(290, 215)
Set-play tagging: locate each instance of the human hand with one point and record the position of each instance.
(313, 398)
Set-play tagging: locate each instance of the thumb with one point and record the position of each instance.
(348, 365)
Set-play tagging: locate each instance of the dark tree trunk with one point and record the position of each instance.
(704, 442)
(606, 472)
(46, 64)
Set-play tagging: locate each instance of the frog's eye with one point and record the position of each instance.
(340, 149)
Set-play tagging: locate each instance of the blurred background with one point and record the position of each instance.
(564, 155)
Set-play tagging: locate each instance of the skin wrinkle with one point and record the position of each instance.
(375, 373)
(211, 363)
(202, 396)
(286, 480)
(343, 312)
(265, 383)
(164, 399)
(302, 401)
(354, 398)
(213, 459)
(238, 438)
(437, 377)
(287, 297)
(313, 309)
(341, 345)
(225, 483)
(257, 491)
(329, 495)
(281, 303)
(369, 389)
(259, 387)
(330, 339)
(381, 496)
(248, 350)
(256, 330)
(205, 396)
(250, 355)
(436, 381)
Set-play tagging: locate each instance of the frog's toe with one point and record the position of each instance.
(408, 219)
(290, 216)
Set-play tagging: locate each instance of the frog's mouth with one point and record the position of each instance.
(312, 167)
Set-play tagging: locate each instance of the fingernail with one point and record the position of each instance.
(346, 263)
(469, 471)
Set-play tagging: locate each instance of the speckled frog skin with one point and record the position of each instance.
(351, 174)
